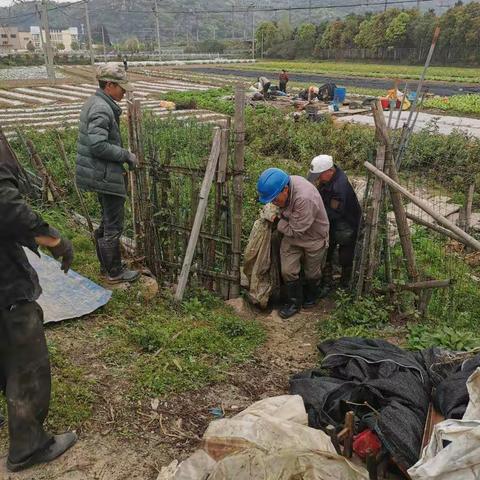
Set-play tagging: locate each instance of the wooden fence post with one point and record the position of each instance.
(238, 172)
(398, 208)
(468, 239)
(197, 224)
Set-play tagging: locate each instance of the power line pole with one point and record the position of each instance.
(89, 33)
(104, 47)
(48, 41)
(157, 20)
(253, 34)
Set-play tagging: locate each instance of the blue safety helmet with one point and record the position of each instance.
(271, 183)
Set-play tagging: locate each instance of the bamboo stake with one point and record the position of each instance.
(417, 286)
(468, 239)
(40, 166)
(71, 176)
(202, 206)
(376, 204)
(398, 208)
(434, 227)
(238, 186)
(468, 207)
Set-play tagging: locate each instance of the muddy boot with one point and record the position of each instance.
(112, 260)
(60, 444)
(294, 300)
(327, 285)
(345, 278)
(310, 294)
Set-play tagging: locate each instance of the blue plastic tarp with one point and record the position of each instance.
(65, 296)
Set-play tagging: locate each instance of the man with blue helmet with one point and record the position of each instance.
(303, 221)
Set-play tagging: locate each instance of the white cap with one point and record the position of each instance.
(319, 164)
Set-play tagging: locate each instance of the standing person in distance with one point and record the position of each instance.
(100, 167)
(283, 80)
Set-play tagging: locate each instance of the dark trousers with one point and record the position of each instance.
(266, 88)
(25, 378)
(113, 213)
(283, 87)
(344, 237)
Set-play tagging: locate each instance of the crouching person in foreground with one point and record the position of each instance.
(304, 224)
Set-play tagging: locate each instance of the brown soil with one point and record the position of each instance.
(127, 439)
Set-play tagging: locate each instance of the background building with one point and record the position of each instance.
(62, 40)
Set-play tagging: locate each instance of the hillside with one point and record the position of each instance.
(124, 18)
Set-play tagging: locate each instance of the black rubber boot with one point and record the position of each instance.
(97, 235)
(327, 285)
(310, 294)
(112, 260)
(59, 445)
(346, 277)
(294, 301)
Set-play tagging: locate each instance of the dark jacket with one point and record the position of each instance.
(100, 156)
(19, 226)
(340, 200)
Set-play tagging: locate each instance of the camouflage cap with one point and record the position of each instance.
(114, 72)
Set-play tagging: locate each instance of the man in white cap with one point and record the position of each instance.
(100, 167)
(344, 213)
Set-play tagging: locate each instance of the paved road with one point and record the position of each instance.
(438, 88)
(445, 124)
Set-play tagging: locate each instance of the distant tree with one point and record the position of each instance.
(396, 33)
(131, 44)
(75, 46)
(305, 38)
(268, 33)
(210, 46)
(332, 36)
(285, 30)
(60, 46)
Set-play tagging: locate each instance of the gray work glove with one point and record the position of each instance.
(132, 161)
(63, 250)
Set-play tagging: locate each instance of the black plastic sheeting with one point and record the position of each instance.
(396, 384)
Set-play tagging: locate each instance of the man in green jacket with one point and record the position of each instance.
(100, 166)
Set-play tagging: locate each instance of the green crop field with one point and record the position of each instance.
(462, 104)
(445, 74)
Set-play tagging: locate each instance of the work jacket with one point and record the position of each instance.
(304, 221)
(341, 201)
(100, 156)
(19, 225)
(283, 78)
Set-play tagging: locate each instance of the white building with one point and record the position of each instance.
(62, 40)
(12, 40)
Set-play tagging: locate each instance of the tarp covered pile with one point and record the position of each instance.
(268, 441)
(388, 388)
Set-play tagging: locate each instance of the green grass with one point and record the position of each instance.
(452, 318)
(460, 104)
(394, 71)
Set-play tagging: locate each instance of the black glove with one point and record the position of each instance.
(63, 250)
(132, 161)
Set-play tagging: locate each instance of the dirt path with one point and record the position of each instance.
(438, 88)
(139, 440)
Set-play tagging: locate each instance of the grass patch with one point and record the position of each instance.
(452, 320)
(207, 100)
(445, 74)
(460, 104)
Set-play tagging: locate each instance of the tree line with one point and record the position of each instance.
(398, 34)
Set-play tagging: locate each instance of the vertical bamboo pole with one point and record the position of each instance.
(199, 216)
(468, 207)
(377, 196)
(239, 162)
(398, 208)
